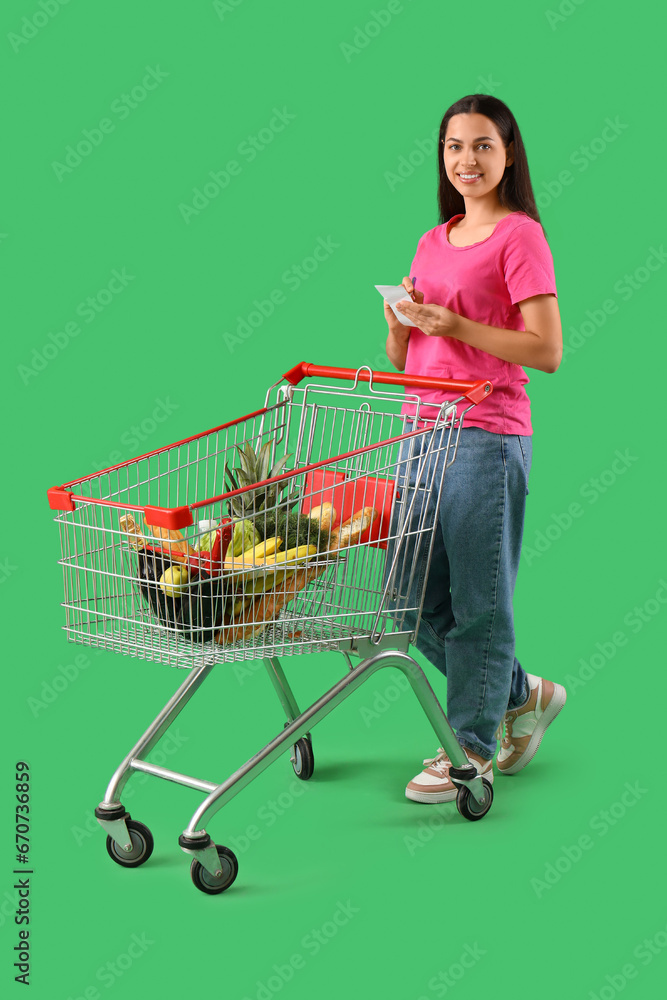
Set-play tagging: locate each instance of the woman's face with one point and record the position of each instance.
(473, 147)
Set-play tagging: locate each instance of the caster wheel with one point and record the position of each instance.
(206, 882)
(469, 807)
(303, 760)
(142, 846)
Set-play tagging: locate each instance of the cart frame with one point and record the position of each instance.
(214, 868)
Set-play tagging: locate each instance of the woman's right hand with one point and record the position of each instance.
(395, 326)
(399, 334)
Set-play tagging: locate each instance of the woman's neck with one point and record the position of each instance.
(479, 214)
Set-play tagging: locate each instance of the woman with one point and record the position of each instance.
(486, 307)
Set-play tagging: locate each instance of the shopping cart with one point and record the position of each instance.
(279, 561)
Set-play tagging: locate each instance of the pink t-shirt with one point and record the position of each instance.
(483, 282)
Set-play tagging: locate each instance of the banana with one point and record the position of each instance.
(265, 548)
(251, 557)
(252, 560)
(300, 552)
(256, 553)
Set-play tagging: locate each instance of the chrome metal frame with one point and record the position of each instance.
(343, 610)
(373, 658)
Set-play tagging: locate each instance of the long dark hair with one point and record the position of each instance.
(515, 190)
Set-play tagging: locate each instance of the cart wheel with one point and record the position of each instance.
(142, 846)
(206, 882)
(467, 804)
(303, 761)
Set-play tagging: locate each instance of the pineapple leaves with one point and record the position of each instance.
(263, 462)
(244, 478)
(229, 475)
(278, 467)
(248, 460)
(256, 468)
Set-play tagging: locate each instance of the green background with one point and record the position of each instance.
(360, 100)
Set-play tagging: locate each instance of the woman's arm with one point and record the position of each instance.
(399, 335)
(397, 347)
(539, 346)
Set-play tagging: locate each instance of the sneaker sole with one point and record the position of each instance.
(551, 711)
(438, 797)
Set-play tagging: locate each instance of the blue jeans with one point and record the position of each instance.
(466, 628)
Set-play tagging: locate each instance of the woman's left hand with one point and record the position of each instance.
(433, 320)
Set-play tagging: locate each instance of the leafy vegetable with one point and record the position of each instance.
(244, 536)
(297, 529)
(207, 541)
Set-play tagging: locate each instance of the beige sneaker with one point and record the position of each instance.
(433, 784)
(525, 726)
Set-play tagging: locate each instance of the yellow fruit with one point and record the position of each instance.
(174, 581)
(265, 548)
(301, 552)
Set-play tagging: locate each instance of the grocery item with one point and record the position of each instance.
(351, 531)
(188, 599)
(256, 616)
(244, 536)
(174, 581)
(326, 515)
(255, 468)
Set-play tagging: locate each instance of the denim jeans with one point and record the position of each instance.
(466, 628)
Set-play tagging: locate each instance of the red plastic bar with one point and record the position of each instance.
(162, 517)
(169, 517)
(473, 391)
(60, 499)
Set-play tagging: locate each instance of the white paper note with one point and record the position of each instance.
(393, 294)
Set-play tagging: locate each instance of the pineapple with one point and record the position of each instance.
(270, 507)
(255, 468)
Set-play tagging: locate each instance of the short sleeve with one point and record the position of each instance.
(527, 263)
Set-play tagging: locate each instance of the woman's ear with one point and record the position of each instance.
(510, 154)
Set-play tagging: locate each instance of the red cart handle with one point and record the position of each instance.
(473, 391)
